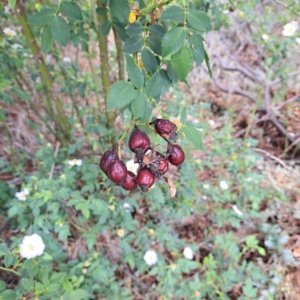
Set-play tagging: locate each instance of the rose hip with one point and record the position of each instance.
(175, 155)
(165, 128)
(145, 179)
(107, 158)
(130, 182)
(117, 171)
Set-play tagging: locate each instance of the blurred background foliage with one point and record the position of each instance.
(237, 202)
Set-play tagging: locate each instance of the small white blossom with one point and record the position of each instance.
(120, 232)
(67, 59)
(204, 197)
(188, 253)
(150, 258)
(16, 46)
(131, 166)
(73, 162)
(206, 186)
(290, 28)
(225, 11)
(236, 210)
(32, 246)
(211, 123)
(265, 37)
(9, 32)
(126, 206)
(21, 196)
(223, 185)
(298, 40)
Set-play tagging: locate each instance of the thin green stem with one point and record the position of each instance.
(120, 55)
(145, 11)
(123, 137)
(10, 270)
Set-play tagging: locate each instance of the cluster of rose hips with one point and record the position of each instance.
(152, 164)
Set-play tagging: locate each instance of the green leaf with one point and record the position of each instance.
(120, 9)
(173, 13)
(149, 61)
(57, 277)
(120, 94)
(67, 285)
(154, 86)
(207, 63)
(193, 135)
(71, 10)
(2, 285)
(173, 41)
(261, 251)
(198, 20)
(8, 260)
(12, 3)
(133, 44)
(120, 29)
(148, 112)
(9, 295)
(182, 114)
(181, 62)
(166, 81)
(80, 294)
(42, 18)
(197, 48)
(101, 11)
(139, 105)
(60, 30)
(134, 29)
(141, 4)
(157, 30)
(46, 39)
(105, 27)
(171, 74)
(154, 44)
(134, 72)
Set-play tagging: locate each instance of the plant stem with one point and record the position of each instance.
(148, 10)
(123, 137)
(120, 56)
(10, 270)
(102, 41)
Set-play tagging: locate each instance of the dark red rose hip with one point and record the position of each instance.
(139, 143)
(176, 155)
(117, 171)
(165, 128)
(107, 158)
(145, 179)
(130, 182)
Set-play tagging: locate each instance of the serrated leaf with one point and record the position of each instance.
(154, 44)
(182, 115)
(46, 39)
(134, 72)
(67, 285)
(120, 9)
(139, 105)
(193, 135)
(71, 10)
(133, 44)
(134, 29)
(166, 81)
(101, 11)
(105, 27)
(154, 86)
(80, 294)
(120, 94)
(173, 40)
(171, 74)
(60, 30)
(173, 13)
(149, 61)
(182, 62)
(148, 112)
(9, 295)
(141, 4)
(120, 29)
(197, 48)
(207, 63)
(198, 20)
(12, 3)
(41, 18)
(157, 30)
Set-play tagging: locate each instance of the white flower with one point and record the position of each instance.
(188, 253)
(265, 37)
(150, 258)
(225, 11)
(9, 32)
(120, 232)
(290, 28)
(204, 197)
(126, 206)
(73, 162)
(131, 166)
(67, 59)
(223, 185)
(298, 40)
(22, 195)
(236, 210)
(206, 186)
(211, 123)
(16, 46)
(32, 246)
